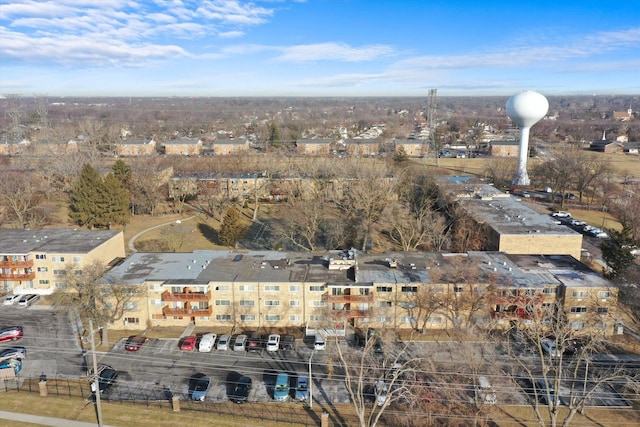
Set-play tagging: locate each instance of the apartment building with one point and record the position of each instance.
(136, 147)
(407, 290)
(34, 261)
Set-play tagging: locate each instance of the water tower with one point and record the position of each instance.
(525, 109)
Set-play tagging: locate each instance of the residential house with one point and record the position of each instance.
(314, 147)
(136, 147)
(182, 147)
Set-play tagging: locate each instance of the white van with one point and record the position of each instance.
(207, 342)
(320, 342)
(28, 300)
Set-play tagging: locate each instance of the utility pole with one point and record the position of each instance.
(431, 121)
(96, 376)
(311, 381)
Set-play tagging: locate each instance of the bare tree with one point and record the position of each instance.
(21, 194)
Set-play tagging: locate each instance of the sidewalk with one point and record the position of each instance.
(42, 420)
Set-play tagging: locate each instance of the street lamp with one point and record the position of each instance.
(311, 381)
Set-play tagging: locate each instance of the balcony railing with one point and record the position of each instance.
(18, 276)
(16, 264)
(186, 296)
(349, 298)
(349, 314)
(201, 312)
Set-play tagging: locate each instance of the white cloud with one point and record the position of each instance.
(333, 52)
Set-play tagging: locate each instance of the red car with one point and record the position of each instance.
(134, 342)
(189, 343)
(10, 333)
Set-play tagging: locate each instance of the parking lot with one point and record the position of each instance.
(50, 337)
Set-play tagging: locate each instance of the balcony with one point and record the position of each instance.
(192, 312)
(517, 314)
(347, 313)
(186, 296)
(18, 276)
(9, 263)
(346, 298)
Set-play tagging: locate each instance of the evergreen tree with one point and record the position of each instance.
(616, 252)
(85, 207)
(122, 171)
(116, 202)
(400, 156)
(275, 139)
(232, 228)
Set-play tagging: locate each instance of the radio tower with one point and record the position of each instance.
(41, 110)
(431, 121)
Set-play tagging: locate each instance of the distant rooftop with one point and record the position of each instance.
(52, 240)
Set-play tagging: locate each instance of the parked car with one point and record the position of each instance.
(302, 389)
(223, 342)
(11, 299)
(382, 392)
(134, 342)
(15, 352)
(320, 342)
(288, 342)
(240, 343)
(549, 346)
(543, 388)
(484, 392)
(28, 300)
(273, 342)
(199, 386)
(11, 363)
(10, 333)
(189, 343)
(241, 390)
(106, 377)
(561, 214)
(576, 222)
(281, 390)
(207, 342)
(256, 343)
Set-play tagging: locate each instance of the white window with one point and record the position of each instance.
(604, 294)
(294, 288)
(42, 269)
(603, 310)
(410, 289)
(295, 318)
(224, 302)
(222, 288)
(58, 259)
(59, 272)
(316, 303)
(246, 288)
(60, 284)
(384, 304)
(577, 325)
(272, 288)
(247, 317)
(294, 303)
(383, 319)
(223, 317)
(578, 309)
(41, 256)
(407, 319)
(77, 260)
(156, 302)
(384, 289)
(434, 319)
(316, 288)
(550, 291)
(132, 320)
(43, 282)
(247, 303)
(271, 302)
(580, 294)
(316, 318)
(272, 317)
(131, 305)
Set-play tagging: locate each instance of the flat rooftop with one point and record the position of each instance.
(52, 240)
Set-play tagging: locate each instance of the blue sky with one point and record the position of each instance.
(318, 47)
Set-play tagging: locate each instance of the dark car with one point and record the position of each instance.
(10, 333)
(240, 393)
(134, 342)
(256, 343)
(288, 342)
(198, 386)
(106, 377)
